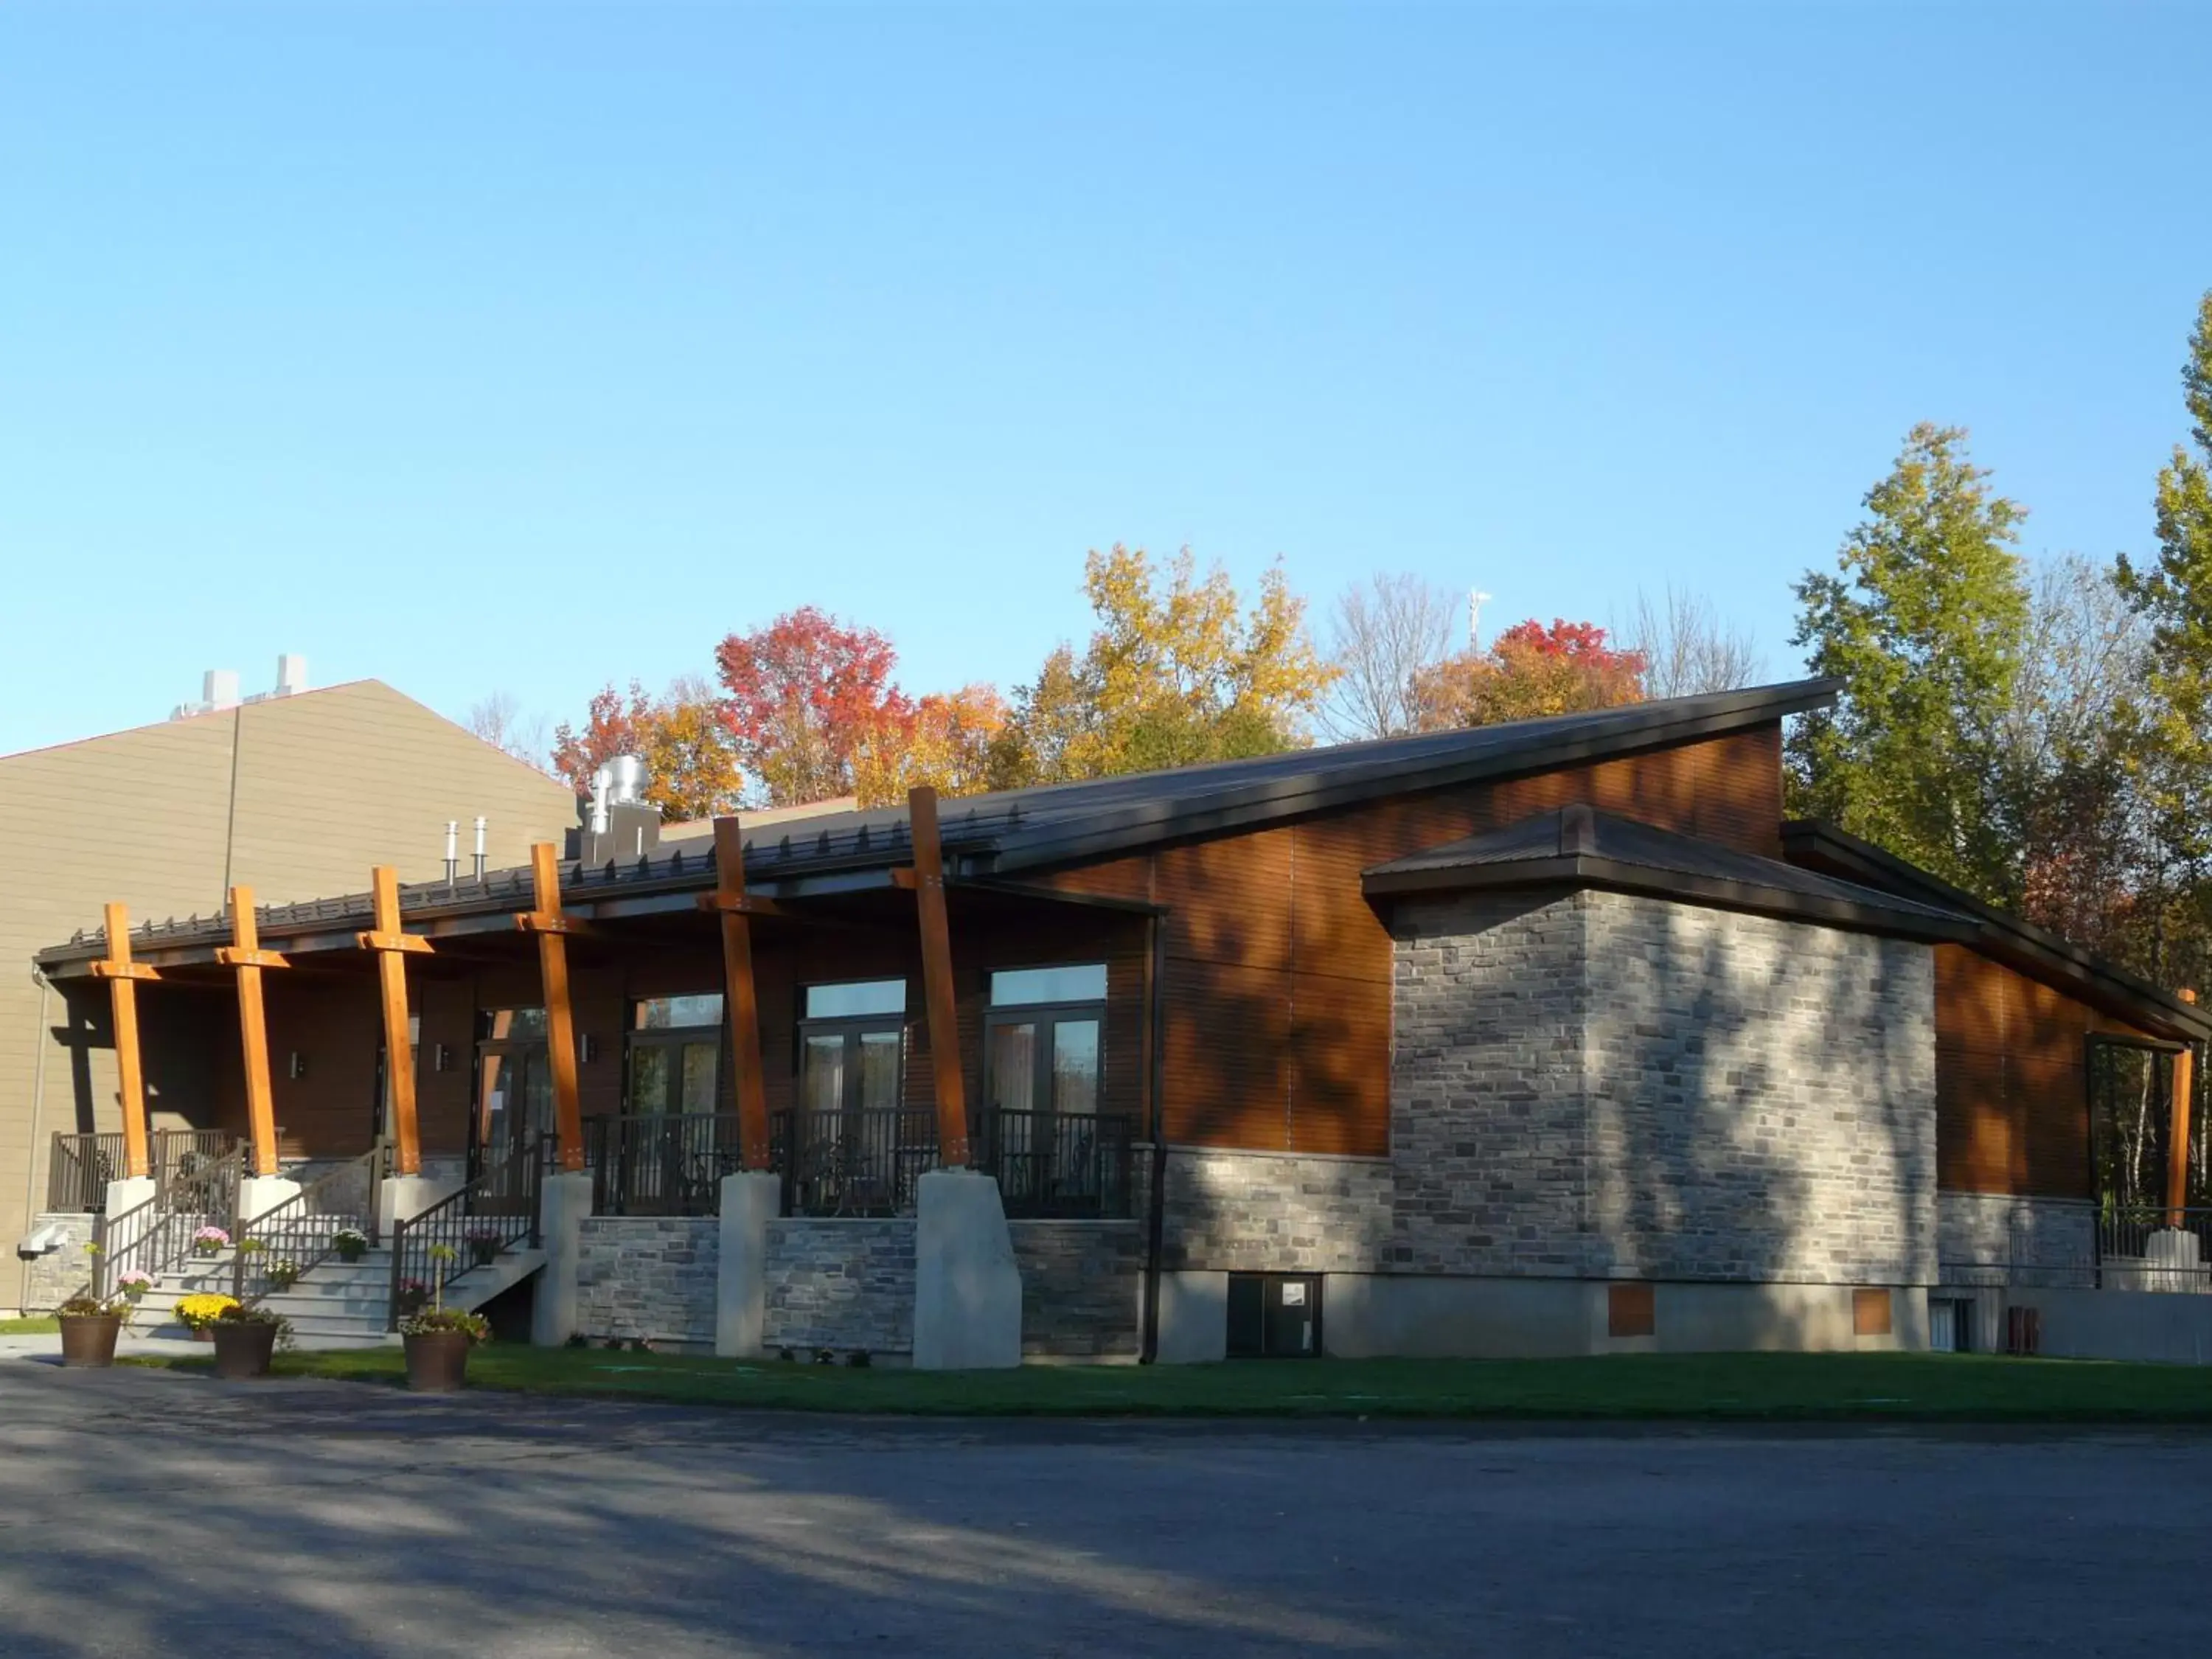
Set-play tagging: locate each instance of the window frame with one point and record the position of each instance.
(635, 1036)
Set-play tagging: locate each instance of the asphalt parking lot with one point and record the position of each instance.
(155, 1513)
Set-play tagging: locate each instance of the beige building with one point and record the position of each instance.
(294, 793)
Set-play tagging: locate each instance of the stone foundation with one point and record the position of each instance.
(1246, 1212)
(650, 1277)
(1081, 1286)
(1992, 1239)
(60, 1273)
(841, 1285)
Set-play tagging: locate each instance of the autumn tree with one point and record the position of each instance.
(691, 767)
(1925, 620)
(1528, 673)
(946, 741)
(1385, 633)
(1177, 672)
(804, 696)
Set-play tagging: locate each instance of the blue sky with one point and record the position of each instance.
(504, 347)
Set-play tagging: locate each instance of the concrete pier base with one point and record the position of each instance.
(751, 1200)
(563, 1203)
(968, 1291)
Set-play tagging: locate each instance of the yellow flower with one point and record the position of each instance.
(203, 1307)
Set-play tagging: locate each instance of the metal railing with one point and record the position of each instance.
(154, 1236)
(80, 1166)
(497, 1211)
(853, 1163)
(1065, 1165)
(2151, 1247)
(277, 1248)
(660, 1165)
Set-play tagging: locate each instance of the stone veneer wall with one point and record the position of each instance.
(1249, 1212)
(1994, 1239)
(1595, 1085)
(60, 1273)
(839, 1284)
(648, 1276)
(1082, 1282)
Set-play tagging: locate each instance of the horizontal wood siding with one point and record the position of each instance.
(2012, 1095)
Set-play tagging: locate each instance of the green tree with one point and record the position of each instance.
(2174, 593)
(1923, 620)
(1177, 672)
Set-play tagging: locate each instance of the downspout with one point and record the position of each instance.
(38, 1115)
(1155, 1221)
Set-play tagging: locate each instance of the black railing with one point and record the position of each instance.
(659, 1165)
(853, 1163)
(497, 1211)
(1058, 1165)
(80, 1165)
(198, 1193)
(2150, 1248)
(79, 1171)
(276, 1248)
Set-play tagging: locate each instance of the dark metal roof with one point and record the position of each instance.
(1576, 846)
(1044, 826)
(2037, 952)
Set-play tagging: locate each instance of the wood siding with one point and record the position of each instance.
(2012, 1092)
(1279, 970)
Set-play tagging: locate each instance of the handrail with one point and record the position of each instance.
(151, 1238)
(495, 1211)
(300, 1233)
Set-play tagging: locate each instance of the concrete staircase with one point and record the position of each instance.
(335, 1304)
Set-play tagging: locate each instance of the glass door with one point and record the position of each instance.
(855, 1151)
(514, 1101)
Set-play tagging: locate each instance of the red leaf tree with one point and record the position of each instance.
(1529, 671)
(804, 696)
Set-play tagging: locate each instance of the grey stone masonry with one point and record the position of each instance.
(1994, 1239)
(1274, 1212)
(841, 1285)
(1599, 1085)
(1081, 1285)
(648, 1276)
(61, 1273)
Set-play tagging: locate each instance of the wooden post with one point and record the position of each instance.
(552, 929)
(122, 976)
(2176, 1146)
(246, 954)
(940, 999)
(392, 947)
(743, 996)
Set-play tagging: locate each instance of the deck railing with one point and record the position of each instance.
(2151, 1247)
(497, 1211)
(853, 1163)
(660, 1164)
(1065, 1166)
(80, 1166)
(198, 1192)
(277, 1247)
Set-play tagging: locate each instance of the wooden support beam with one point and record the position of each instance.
(552, 931)
(123, 976)
(745, 904)
(940, 999)
(741, 1001)
(393, 947)
(234, 956)
(246, 954)
(123, 970)
(406, 944)
(2177, 1144)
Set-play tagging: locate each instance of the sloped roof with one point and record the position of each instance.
(1051, 824)
(2036, 951)
(1578, 845)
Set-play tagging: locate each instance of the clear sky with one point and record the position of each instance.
(520, 347)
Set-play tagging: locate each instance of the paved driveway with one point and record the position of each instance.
(152, 1514)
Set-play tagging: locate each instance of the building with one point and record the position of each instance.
(1553, 1037)
(290, 794)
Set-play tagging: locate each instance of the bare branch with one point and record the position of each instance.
(1687, 649)
(1384, 634)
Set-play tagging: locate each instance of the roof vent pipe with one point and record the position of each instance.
(480, 850)
(452, 849)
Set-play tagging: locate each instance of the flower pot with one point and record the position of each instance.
(89, 1338)
(437, 1361)
(483, 1252)
(350, 1252)
(203, 1332)
(243, 1349)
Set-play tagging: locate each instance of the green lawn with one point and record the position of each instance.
(1881, 1388)
(31, 1326)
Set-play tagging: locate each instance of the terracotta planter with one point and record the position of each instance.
(89, 1338)
(203, 1332)
(437, 1361)
(243, 1350)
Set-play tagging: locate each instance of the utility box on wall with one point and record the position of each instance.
(1274, 1316)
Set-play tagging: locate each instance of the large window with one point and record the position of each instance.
(673, 1045)
(1043, 1038)
(668, 1151)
